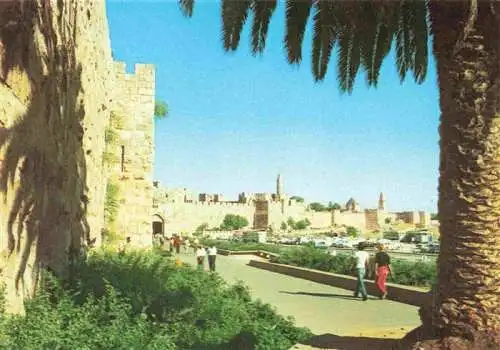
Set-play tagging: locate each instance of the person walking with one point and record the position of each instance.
(382, 270)
(361, 265)
(171, 245)
(177, 244)
(187, 244)
(212, 255)
(200, 257)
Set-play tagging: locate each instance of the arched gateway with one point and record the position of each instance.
(158, 223)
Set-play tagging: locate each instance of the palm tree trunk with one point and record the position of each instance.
(466, 313)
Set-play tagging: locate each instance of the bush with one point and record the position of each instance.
(317, 259)
(233, 222)
(410, 273)
(422, 274)
(144, 301)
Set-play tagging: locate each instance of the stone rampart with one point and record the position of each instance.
(133, 108)
(186, 217)
(347, 218)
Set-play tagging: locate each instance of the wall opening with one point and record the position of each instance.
(158, 225)
(123, 159)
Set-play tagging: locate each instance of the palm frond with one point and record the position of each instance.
(404, 40)
(325, 35)
(349, 58)
(263, 11)
(420, 37)
(234, 16)
(187, 7)
(378, 32)
(297, 14)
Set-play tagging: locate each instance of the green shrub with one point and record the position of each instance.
(233, 222)
(410, 273)
(413, 273)
(144, 301)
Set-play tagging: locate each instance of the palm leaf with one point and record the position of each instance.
(234, 16)
(263, 11)
(187, 7)
(377, 37)
(325, 35)
(350, 17)
(404, 41)
(420, 38)
(297, 13)
(349, 58)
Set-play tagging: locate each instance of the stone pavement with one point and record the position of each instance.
(327, 311)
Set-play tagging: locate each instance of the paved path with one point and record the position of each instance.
(321, 308)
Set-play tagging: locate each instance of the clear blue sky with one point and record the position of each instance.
(236, 121)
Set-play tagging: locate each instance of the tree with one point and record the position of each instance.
(298, 199)
(334, 206)
(201, 229)
(302, 224)
(233, 222)
(317, 206)
(161, 109)
(465, 36)
(283, 226)
(352, 231)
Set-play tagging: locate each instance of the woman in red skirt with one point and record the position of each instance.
(382, 270)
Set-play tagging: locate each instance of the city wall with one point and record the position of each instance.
(347, 218)
(186, 217)
(89, 87)
(132, 168)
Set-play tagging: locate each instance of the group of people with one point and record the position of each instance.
(177, 242)
(382, 270)
(202, 252)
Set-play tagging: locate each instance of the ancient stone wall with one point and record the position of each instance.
(186, 217)
(86, 104)
(348, 218)
(133, 107)
(320, 219)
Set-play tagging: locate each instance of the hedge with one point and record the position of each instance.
(144, 301)
(422, 274)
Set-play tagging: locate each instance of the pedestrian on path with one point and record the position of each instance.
(200, 257)
(177, 244)
(171, 245)
(212, 255)
(186, 245)
(382, 270)
(361, 265)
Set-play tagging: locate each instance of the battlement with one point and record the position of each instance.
(222, 204)
(141, 70)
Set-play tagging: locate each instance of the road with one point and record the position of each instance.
(321, 308)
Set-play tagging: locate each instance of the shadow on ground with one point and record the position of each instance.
(331, 341)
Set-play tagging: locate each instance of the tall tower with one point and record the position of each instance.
(381, 202)
(279, 187)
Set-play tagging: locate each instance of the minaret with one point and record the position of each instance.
(279, 188)
(381, 202)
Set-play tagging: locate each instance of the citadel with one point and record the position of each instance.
(181, 211)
